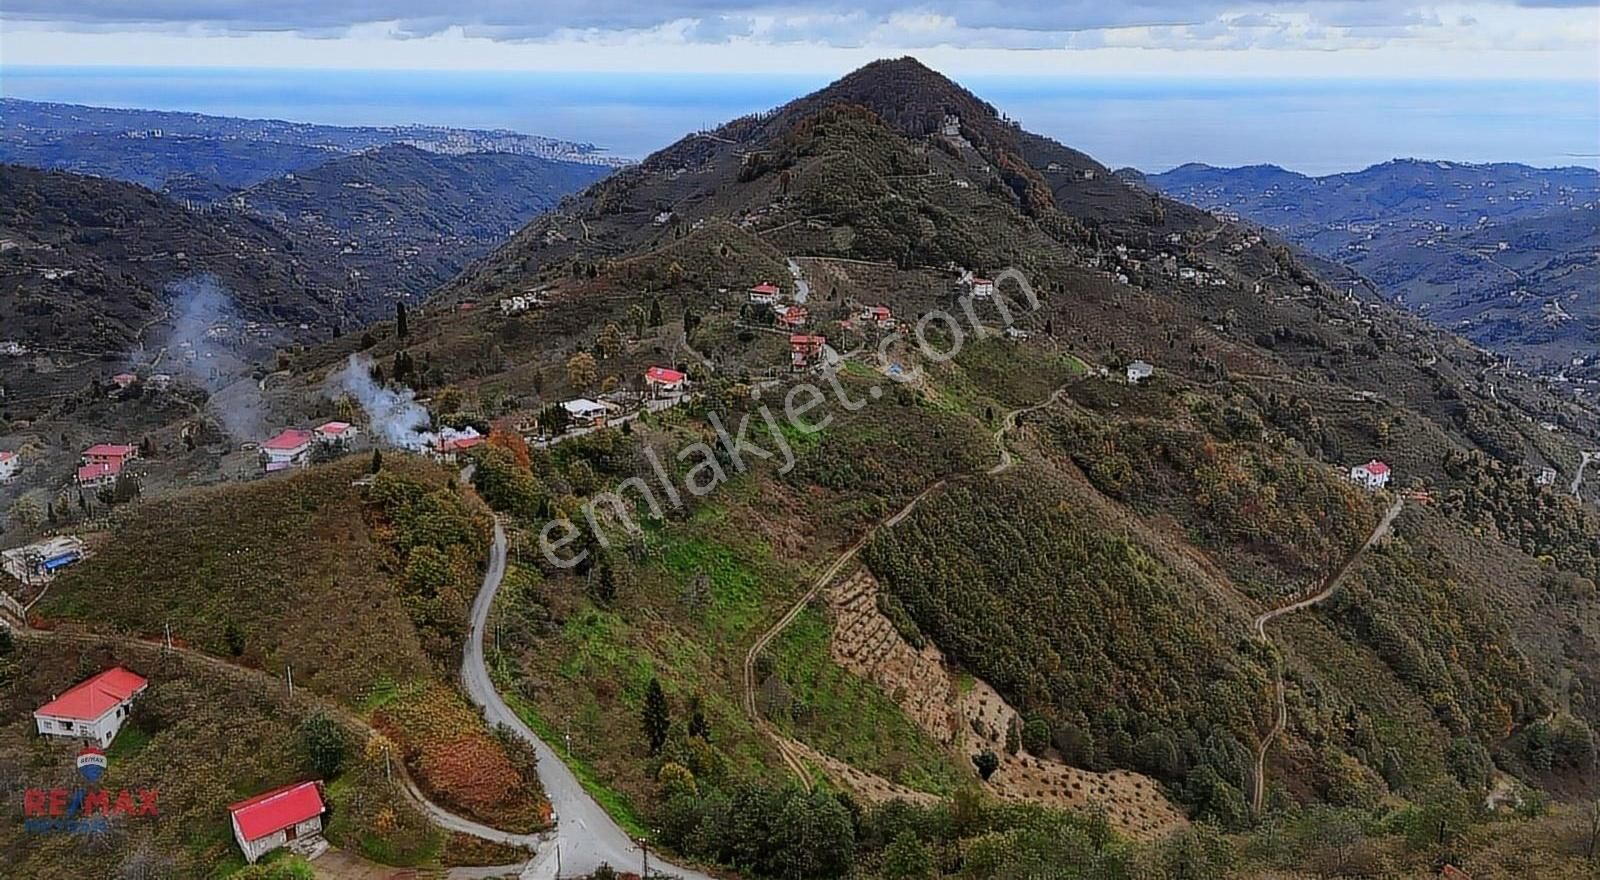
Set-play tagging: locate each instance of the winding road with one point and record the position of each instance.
(1577, 482)
(1330, 586)
(585, 836)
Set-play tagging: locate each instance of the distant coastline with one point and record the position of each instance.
(1149, 123)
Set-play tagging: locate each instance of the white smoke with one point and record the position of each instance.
(201, 305)
(394, 416)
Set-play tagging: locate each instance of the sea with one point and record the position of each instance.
(1312, 126)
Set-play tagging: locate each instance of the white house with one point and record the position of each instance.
(448, 446)
(879, 315)
(664, 380)
(586, 413)
(982, 288)
(1547, 477)
(10, 466)
(765, 293)
(1373, 475)
(287, 449)
(291, 815)
(1138, 371)
(92, 710)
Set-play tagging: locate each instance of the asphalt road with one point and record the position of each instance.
(585, 836)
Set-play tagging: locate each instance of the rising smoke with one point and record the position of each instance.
(204, 345)
(394, 416)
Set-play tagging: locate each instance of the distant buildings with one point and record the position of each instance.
(289, 448)
(663, 380)
(40, 561)
(10, 466)
(288, 816)
(94, 709)
(1138, 371)
(1373, 475)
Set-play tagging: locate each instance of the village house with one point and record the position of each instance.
(1373, 475)
(93, 710)
(10, 466)
(663, 380)
(451, 442)
(586, 413)
(40, 561)
(160, 381)
(1547, 477)
(291, 447)
(804, 349)
(1016, 334)
(879, 315)
(336, 432)
(103, 463)
(1138, 371)
(791, 316)
(982, 288)
(123, 380)
(287, 816)
(765, 293)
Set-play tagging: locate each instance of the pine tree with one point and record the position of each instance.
(377, 460)
(698, 725)
(657, 720)
(402, 325)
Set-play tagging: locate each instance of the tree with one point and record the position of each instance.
(987, 762)
(582, 371)
(401, 323)
(907, 858)
(377, 460)
(609, 341)
(324, 744)
(26, 510)
(698, 725)
(655, 311)
(657, 719)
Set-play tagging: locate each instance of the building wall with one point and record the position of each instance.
(100, 731)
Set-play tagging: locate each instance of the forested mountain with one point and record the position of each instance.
(411, 219)
(1106, 584)
(1504, 253)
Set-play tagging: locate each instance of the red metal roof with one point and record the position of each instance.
(1376, 468)
(95, 471)
(294, 438)
(335, 428)
(272, 811)
(765, 287)
(94, 697)
(7, 456)
(109, 450)
(662, 374)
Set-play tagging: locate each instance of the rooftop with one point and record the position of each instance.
(90, 699)
(272, 811)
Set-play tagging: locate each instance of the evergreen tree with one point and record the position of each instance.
(401, 322)
(324, 744)
(377, 460)
(657, 719)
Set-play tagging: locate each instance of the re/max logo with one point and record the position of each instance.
(83, 810)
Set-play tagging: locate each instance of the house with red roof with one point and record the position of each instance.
(664, 380)
(98, 475)
(981, 288)
(1373, 475)
(123, 380)
(792, 317)
(335, 432)
(117, 453)
(10, 466)
(765, 293)
(879, 315)
(450, 443)
(804, 349)
(92, 710)
(289, 448)
(286, 816)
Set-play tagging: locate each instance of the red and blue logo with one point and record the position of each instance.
(92, 764)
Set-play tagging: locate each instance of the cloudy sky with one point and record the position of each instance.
(1500, 39)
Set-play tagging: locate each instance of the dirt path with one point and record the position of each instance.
(794, 754)
(1577, 482)
(1330, 586)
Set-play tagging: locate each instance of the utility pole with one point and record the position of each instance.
(167, 627)
(644, 847)
(290, 671)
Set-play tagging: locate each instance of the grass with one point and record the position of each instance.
(851, 719)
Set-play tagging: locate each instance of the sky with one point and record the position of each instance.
(1326, 84)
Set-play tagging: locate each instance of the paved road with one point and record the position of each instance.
(802, 289)
(585, 836)
(1331, 586)
(1577, 482)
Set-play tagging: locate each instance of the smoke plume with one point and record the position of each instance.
(394, 416)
